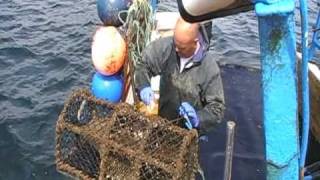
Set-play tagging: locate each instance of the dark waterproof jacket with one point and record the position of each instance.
(200, 85)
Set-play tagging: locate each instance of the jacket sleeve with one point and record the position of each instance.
(213, 98)
(153, 60)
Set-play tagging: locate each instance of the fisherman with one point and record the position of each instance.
(190, 84)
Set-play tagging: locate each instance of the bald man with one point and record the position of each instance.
(190, 84)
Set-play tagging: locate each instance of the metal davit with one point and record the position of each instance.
(200, 10)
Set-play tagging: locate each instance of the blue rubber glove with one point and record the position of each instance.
(204, 138)
(147, 95)
(190, 115)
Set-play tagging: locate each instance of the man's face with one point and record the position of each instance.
(185, 47)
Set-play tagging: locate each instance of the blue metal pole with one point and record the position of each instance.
(278, 60)
(305, 84)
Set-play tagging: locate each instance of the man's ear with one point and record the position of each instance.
(196, 40)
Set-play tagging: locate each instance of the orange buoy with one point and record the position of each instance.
(108, 50)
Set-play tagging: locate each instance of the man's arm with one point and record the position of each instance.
(213, 98)
(153, 60)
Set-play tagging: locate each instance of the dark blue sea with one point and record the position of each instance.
(45, 51)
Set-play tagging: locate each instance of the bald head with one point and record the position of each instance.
(186, 38)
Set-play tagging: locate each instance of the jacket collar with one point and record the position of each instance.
(200, 53)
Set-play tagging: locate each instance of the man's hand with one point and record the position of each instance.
(190, 115)
(147, 95)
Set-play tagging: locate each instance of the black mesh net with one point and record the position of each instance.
(153, 172)
(80, 153)
(129, 130)
(79, 112)
(99, 140)
(164, 144)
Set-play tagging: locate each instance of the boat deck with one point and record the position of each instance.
(242, 89)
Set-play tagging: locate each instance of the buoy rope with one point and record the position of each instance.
(139, 25)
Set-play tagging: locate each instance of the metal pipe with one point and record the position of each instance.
(229, 150)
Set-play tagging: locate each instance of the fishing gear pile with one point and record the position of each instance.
(99, 140)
